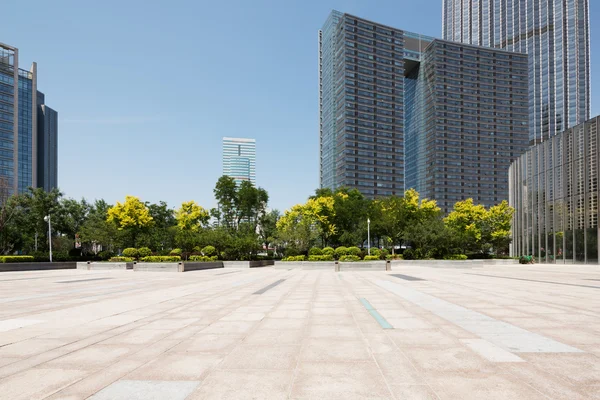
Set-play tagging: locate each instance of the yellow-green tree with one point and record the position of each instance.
(303, 224)
(497, 229)
(191, 217)
(132, 216)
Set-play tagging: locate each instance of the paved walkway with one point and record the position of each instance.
(522, 332)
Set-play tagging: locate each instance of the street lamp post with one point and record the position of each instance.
(47, 219)
(369, 235)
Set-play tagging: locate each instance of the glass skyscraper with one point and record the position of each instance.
(401, 110)
(239, 159)
(556, 36)
(20, 108)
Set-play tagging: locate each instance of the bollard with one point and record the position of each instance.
(337, 266)
(388, 265)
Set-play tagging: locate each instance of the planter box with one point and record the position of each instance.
(97, 266)
(37, 266)
(362, 266)
(248, 264)
(199, 266)
(184, 266)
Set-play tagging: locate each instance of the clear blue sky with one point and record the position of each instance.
(146, 89)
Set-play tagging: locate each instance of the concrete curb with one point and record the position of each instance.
(37, 266)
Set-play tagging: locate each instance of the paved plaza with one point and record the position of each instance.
(504, 332)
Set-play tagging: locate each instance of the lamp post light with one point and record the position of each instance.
(47, 219)
(369, 236)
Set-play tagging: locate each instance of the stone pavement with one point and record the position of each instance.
(507, 332)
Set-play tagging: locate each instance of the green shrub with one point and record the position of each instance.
(349, 258)
(371, 258)
(354, 251)
(394, 257)
(121, 259)
(144, 252)
(131, 252)
(456, 257)
(328, 251)
(209, 251)
(409, 254)
(16, 259)
(324, 257)
(105, 255)
(204, 258)
(384, 253)
(375, 252)
(175, 252)
(154, 259)
(315, 251)
(526, 260)
(341, 251)
(294, 258)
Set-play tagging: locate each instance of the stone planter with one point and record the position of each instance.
(159, 267)
(248, 264)
(37, 266)
(101, 266)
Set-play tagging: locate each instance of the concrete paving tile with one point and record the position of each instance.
(8, 360)
(409, 323)
(209, 343)
(229, 327)
(398, 369)
(244, 385)
(339, 381)
(413, 392)
(262, 357)
(242, 316)
(420, 338)
(37, 383)
(289, 314)
(333, 350)
(445, 359)
(578, 369)
(146, 390)
(177, 367)
(334, 319)
(170, 323)
(480, 385)
(264, 337)
(340, 332)
(91, 357)
(330, 311)
(138, 336)
(283, 323)
(30, 347)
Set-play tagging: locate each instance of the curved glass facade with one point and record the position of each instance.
(554, 190)
(556, 36)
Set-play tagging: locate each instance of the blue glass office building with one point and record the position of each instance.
(19, 110)
(556, 36)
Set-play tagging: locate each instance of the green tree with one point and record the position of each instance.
(162, 234)
(267, 227)
(466, 222)
(497, 227)
(226, 195)
(96, 232)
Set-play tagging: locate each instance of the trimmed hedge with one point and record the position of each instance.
(329, 251)
(375, 252)
(354, 251)
(121, 259)
(16, 259)
(350, 258)
(209, 250)
(203, 258)
(324, 257)
(341, 251)
(456, 257)
(371, 258)
(131, 252)
(294, 258)
(144, 252)
(315, 251)
(175, 253)
(154, 259)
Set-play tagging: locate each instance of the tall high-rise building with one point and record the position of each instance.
(556, 36)
(21, 141)
(361, 76)
(402, 110)
(239, 159)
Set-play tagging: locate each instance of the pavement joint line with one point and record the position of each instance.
(535, 280)
(84, 280)
(500, 333)
(407, 277)
(268, 287)
(375, 314)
